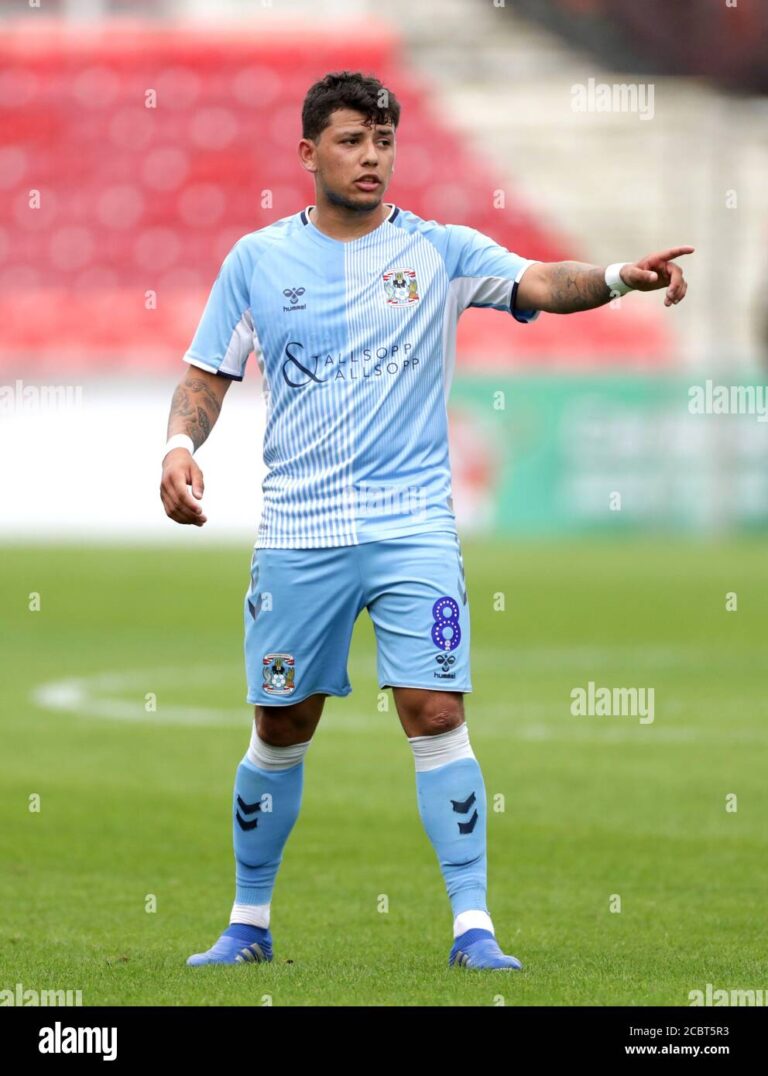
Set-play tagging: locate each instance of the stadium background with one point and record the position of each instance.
(139, 141)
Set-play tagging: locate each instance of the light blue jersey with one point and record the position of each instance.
(356, 342)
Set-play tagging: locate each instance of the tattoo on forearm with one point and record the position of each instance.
(194, 410)
(196, 384)
(577, 286)
(203, 422)
(180, 404)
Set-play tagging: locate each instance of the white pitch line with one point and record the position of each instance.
(104, 696)
(120, 696)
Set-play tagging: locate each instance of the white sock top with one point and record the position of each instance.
(268, 757)
(429, 752)
(472, 920)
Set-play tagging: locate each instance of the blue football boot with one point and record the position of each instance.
(247, 945)
(479, 949)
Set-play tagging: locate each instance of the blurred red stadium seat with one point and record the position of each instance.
(136, 199)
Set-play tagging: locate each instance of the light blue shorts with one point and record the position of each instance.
(302, 604)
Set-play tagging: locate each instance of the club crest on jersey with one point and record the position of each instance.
(279, 673)
(401, 287)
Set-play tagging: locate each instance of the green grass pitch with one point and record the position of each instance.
(135, 804)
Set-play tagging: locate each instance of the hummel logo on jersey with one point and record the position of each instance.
(294, 294)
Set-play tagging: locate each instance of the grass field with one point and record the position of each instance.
(134, 803)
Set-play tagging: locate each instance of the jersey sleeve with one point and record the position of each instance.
(225, 335)
(486, 274)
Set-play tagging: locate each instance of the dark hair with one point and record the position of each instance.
(347, 89)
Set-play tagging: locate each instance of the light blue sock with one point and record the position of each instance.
(265, 808)
(452, 807)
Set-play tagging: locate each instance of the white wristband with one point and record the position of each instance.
(179, 440)
(613, 279)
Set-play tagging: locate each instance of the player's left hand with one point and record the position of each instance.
(659, 271)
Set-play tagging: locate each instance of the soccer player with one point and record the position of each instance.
(350, 307)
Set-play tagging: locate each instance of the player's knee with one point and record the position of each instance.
(441, 719)
(282, 730)
(284, 725)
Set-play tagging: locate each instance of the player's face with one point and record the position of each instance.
(354, 160)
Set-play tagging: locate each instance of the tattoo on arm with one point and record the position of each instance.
(576, 286)
(180, 404)
(194, 410)
(203, 422)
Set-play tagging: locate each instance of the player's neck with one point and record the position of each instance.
(346, 224)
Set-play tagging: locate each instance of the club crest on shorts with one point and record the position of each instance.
(401, 287)
(279, 673)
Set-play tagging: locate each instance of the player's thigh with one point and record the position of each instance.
(299, 612)
(417, 600)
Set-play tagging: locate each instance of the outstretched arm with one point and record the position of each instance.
(194, 409)
(566, 287)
